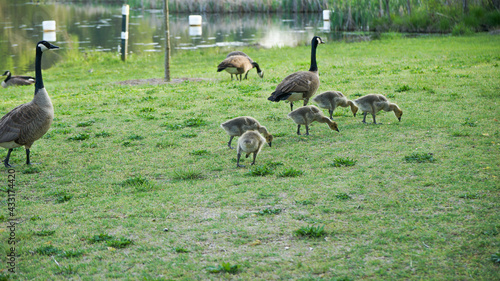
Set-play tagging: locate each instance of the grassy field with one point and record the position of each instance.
(137, 182)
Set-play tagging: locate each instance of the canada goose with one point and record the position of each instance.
(239, 64)
(28, 122)
(249, 142)
(260, 72)
(307, 114)
(374, 103)
(239, 125)
(16, 80)
(330, 100)
(300, 85)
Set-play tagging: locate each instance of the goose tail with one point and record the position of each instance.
(278, 96)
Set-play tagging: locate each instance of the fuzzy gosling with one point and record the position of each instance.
(374, 103)
(307, 114)
(239, 125)
(331, 99)
(250, 142)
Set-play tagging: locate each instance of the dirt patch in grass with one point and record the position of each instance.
(157, 81)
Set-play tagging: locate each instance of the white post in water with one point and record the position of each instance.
(49, 30)
(125, 13)
(195, 25)
(326, 15)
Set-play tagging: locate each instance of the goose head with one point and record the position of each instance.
(317, 40)
(398, 112)
(44, 45)
(354, 110)
(269, 139)
(6, 73)
(333, 126)
(259, 71)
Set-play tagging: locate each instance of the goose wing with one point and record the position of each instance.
(12, 123)
(22, 80)
(239, 53)
(298, 82)
(24, 77)
(233, 61)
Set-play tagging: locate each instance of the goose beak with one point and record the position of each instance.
(399, 119)
(261, 74)
(53, 46)
(270, 144)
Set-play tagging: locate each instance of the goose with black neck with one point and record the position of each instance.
(28, 122)
(301, 85)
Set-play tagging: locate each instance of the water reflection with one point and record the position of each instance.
(97, 28)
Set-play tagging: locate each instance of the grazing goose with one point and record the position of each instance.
(374, 103)
(330, 100)
(239, 125)
(308, 114)
(30, 121)
(260, 72)
(239, 64)
(300, 85)
(16, 80)
(249, 142)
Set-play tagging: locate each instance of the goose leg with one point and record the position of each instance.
(291, 106)
(28, 156)
(364, 117)
(246, 74)
(238, 161)
(298, 130)
(307, 130)
(6, 161)
(374, 122)
(229, 143)
(232, 77)
(331, 113)
(254, 156)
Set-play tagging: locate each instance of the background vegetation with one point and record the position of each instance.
(136, 180)
(442, 16)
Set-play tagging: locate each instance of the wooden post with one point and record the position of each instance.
(167, 41)
(124, 46)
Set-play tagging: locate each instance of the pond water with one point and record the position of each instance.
(97, 28)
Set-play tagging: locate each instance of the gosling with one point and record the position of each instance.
(330, 100)
(249, 142)
(239, 125)
(308, 114)
(374, 103)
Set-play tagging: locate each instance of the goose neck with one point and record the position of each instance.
(38, 70)
(314, 65)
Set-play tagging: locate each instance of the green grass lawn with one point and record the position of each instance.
(137, 182)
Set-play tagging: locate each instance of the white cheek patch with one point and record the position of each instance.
(42, 47)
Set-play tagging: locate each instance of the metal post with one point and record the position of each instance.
(125, 13)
